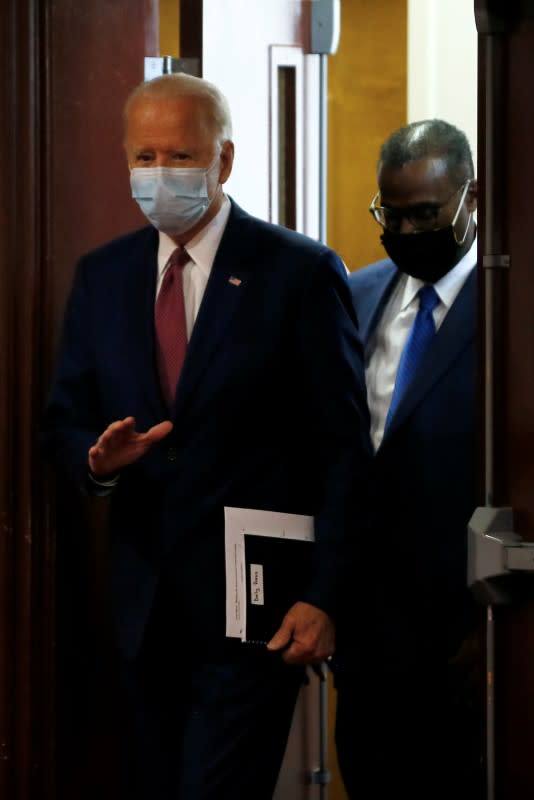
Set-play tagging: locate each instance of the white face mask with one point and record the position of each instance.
(173, 199)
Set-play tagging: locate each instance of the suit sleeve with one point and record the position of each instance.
(69, 425)
(331, 353)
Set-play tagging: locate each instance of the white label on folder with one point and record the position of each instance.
(256, 584)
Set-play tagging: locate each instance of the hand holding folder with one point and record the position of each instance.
(268, 566)
(268, 559)
(276, 573)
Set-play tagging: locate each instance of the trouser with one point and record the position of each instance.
(197, 729)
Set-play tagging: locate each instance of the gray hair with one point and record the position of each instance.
(180, 84)
(429, 138)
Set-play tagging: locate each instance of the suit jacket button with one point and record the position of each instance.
(171, 454)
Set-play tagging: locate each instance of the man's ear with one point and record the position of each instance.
(227, 160)
(472, 195)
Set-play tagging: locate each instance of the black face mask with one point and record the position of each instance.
(427, 255)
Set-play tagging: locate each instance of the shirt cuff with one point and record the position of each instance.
(101, 487)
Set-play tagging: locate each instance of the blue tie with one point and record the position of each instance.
(421, 334)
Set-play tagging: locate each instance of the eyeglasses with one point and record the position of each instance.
(422, 216)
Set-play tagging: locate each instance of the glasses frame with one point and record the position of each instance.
(378, 212)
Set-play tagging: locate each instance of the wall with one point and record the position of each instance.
(442, 63)
(169, 28)
(398, 61)
(249, 29)
(367, 100)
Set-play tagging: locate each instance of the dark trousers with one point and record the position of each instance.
(199, 728)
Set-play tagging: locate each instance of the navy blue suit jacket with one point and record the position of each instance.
(424, 478)
(270, 412)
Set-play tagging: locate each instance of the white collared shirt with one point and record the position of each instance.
(201, 250)
(387, 342)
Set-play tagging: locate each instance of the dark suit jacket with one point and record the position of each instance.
(270, 412)
(424, 479)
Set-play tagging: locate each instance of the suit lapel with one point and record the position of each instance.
(455, 334)
(374, 300)
(225, 288)
(140, 288)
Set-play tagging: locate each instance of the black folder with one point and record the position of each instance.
(277, 571)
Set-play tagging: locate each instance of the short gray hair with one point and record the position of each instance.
(180, 84)
(429, 138)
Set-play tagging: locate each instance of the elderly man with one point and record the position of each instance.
(208, 360)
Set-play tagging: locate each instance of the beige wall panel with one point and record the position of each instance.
(367, 101)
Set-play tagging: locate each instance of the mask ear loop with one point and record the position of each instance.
(460, 204)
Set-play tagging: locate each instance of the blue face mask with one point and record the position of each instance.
(173, 199)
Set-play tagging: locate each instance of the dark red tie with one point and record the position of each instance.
(171, 329)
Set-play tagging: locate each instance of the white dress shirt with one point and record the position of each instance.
(385, 346)
(201, 250)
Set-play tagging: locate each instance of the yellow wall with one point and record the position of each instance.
(169, 28)
(366, 102)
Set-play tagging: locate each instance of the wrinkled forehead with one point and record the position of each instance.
(425, 180)
(181, 110)
(169, 124)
